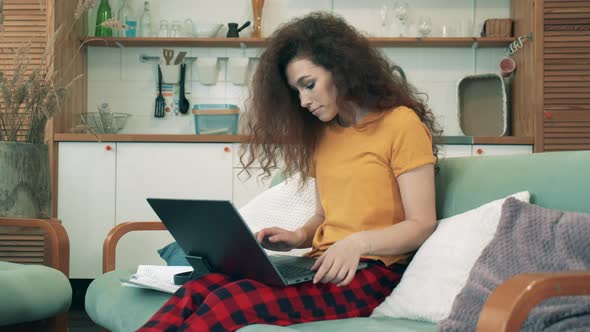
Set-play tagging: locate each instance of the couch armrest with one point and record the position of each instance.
(58, 242)
(109, 248)
(509, 305)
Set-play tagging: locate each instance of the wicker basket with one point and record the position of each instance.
(497, 27)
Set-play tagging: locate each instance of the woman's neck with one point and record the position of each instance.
(345, 119)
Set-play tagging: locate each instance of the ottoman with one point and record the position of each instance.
(32, 293)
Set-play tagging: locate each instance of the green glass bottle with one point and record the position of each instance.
(103, 14)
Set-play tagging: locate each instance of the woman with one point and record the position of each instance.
(326, 105)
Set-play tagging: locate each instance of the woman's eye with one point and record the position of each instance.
(310, 86)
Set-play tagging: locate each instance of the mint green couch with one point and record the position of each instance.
(35, 296)
(556, 180)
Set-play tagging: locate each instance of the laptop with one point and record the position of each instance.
(215, 238)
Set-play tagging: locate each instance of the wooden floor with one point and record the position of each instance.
(78, 321)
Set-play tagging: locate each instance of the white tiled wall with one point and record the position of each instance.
(117, 75)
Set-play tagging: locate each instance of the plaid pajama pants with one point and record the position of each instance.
(215, 302)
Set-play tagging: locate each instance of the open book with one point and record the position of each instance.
(160, 278)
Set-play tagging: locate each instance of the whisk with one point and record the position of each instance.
(517, 44)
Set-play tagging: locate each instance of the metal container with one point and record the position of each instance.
(483, 106)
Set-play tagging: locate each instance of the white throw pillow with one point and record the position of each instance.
(440, 268)
(283, 205)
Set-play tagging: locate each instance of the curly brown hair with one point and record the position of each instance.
(280, 130)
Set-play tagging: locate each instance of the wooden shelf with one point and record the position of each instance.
(261, 42)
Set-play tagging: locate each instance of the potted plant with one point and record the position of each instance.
(31, 93)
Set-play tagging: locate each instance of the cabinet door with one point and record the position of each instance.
(245, 188)
(86, 202)
(452, 151)
(167, 170)
(497, 150)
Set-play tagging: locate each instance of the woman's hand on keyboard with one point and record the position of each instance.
(279, 239)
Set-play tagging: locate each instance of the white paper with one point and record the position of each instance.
(155, 277)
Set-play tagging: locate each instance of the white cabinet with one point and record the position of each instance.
(452, 151)
(103, 184)
(86, 202)
(500, 150)
(170, 170)
(247, 187)
(165, 170)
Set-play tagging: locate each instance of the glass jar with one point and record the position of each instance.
(164, 32)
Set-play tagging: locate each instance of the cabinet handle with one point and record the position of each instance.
(479, 151)
(226, 149)
(108, 148)
(548, 115)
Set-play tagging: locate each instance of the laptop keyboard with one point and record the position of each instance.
(290, 271)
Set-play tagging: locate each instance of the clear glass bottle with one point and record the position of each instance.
(127, 17)
(145, 21)
(103, 14)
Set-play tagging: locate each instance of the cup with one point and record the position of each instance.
(170, 73)
(237, 70)
(507, 66)
(446, 30)
(208, 70)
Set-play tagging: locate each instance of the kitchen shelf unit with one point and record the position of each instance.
(261, 42)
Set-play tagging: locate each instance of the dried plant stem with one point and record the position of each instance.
(34, 92)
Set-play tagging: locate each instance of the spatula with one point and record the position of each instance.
(168, 55)
(160, 102)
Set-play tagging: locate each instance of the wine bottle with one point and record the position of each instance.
(103, 14)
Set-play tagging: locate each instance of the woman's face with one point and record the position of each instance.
(315, 87)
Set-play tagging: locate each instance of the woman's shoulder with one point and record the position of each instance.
(400, 116)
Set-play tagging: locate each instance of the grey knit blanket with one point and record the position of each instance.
(529, 238)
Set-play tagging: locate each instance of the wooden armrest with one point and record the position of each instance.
(57, 239)
(509, 305)
(109, 248)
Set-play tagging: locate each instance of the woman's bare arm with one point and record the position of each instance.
(307, 231)
(417, 193)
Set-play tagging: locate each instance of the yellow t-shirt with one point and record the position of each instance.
(356, 169)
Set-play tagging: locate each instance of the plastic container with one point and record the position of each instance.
(483, 106)
(216, 119)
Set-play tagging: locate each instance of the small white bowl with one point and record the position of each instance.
(207, 30)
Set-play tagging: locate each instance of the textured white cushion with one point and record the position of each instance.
(283, 205)
(440, 268)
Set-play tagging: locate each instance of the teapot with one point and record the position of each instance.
(233, 31)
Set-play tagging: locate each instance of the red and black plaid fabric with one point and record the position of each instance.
(215, 302)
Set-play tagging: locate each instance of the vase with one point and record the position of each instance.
(25, 184)
(257, 6)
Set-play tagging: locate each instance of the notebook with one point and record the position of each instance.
(215, 238)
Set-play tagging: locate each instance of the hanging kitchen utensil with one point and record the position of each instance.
(233, 31)
(179, 57)
(183, 103)
(160, 102)
(168, 55)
